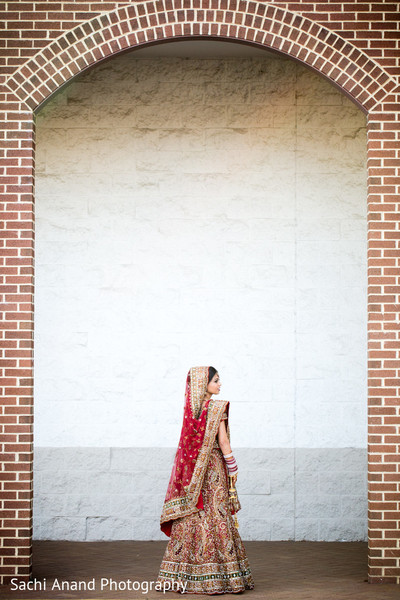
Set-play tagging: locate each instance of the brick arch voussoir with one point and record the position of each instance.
(257, 23)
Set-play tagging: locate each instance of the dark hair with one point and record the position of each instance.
(211, 373)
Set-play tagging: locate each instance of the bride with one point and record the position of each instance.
(205, 553)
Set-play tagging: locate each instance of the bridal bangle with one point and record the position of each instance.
(231, 463)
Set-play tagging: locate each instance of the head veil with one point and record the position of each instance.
(199, 428)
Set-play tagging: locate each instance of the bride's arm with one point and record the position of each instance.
(225, 446)
(223, 440)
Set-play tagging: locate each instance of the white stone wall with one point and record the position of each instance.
(317, 494)
(200, 211)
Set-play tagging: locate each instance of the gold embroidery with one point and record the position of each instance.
(186, 505)
(198, 387)
(205, 549)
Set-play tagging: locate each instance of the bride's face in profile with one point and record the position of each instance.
(215, 385)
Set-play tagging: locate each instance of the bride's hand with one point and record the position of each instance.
(234, 478)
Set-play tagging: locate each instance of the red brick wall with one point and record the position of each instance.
(354, 44)
(370, 26)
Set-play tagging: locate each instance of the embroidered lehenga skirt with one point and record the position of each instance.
(205, 550)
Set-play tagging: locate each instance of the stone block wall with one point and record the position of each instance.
(88, 494)
(173, 229)
(222, 201)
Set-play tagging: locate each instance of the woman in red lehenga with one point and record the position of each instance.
(205, 554)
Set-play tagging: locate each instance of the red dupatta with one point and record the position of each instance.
(199, 429)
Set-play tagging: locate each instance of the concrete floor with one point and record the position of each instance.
(281, 570)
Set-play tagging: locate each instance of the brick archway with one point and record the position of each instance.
(267, 26)
(352, 70)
